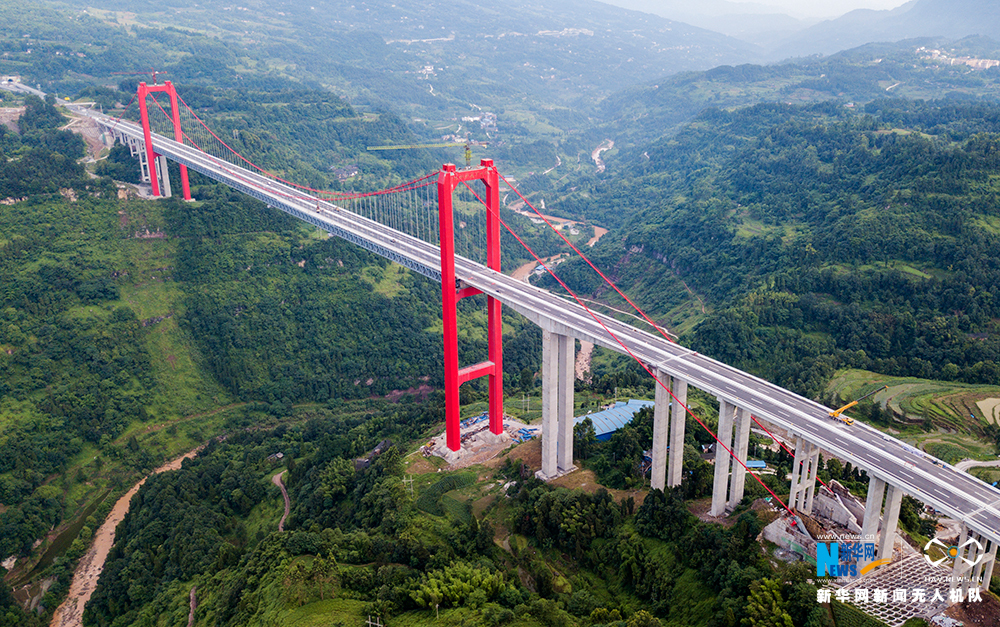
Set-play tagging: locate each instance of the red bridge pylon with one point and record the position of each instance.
(448, 179)
(151, 155)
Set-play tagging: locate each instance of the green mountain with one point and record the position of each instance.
(641, 114)
(819, 236)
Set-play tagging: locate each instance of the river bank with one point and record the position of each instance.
(70, 613)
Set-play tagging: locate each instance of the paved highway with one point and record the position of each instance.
(955, 493)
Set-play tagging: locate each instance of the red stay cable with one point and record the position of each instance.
(119, 118)
(636, 307)
(584, 257)
(782, 445)
(631, 354)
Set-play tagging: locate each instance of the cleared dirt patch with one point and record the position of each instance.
(991, 409)
(9, 117)
(586, 480)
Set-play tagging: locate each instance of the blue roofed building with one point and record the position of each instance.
(608, 421)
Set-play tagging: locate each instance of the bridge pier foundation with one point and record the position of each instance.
(678, 418)
(722, 457)
(558, 375)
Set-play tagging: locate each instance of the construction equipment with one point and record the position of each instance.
(850, 421)
(468, 148)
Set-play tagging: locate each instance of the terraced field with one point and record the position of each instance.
(948, 405)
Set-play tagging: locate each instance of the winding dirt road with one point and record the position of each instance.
(276, 480)
(70, 613)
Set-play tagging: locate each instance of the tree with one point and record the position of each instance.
(642, 618)
(765, 607)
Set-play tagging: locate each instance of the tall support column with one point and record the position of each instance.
(722, 458)
(873, 510)
(161, 163)
(979, 559)
(973, 562)
(988, 563)
(658, 471)
(793, 494)
(958, 569)
(737, 480)
(567, 378)
(494, 307)
(143, 163)
(804, 469)
(812, 470)
(449, 306)
(893, 499)
(550, 402)
(678, 417)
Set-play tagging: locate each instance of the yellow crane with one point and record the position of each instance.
(468, 148)
(836, 413)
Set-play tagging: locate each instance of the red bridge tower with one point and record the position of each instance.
(448, 179)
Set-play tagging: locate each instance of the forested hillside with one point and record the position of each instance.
(359, 544)
(287, 314)
(638, 115)
(820, 237)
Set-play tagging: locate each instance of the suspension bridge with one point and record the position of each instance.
(441, 227)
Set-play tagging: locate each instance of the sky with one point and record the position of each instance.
(825, 8)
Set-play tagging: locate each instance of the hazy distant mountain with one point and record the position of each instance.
(953, 19)
(755, 23)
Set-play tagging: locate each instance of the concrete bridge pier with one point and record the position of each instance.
(873, 510)
(144, 164)
(678, 418)
(730, 474)
(804, 469)
(989, 561)
(738, 476)
(558, 376)
(973, 562)
(658, 471)
(893, 499)
(877, 489)
(723, 460)
(164, 172)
